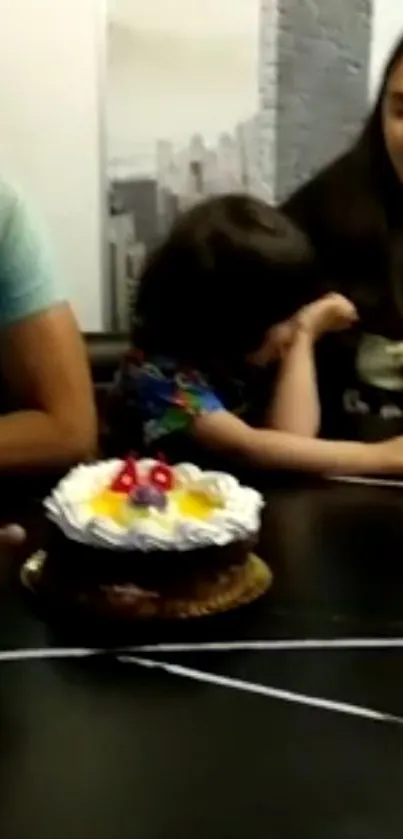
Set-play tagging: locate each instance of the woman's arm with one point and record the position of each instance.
(44, 364)
(227, 435)
(42, 357)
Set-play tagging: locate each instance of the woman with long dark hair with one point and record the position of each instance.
(352, 212)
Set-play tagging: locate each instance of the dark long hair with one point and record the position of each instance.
(353, 213)
(370, 148)
(230, 267)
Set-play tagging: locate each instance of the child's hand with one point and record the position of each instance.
(332, 313)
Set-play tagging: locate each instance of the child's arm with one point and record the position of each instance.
(264, 448)
(295, 406)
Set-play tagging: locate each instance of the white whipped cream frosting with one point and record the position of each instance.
(237, 519)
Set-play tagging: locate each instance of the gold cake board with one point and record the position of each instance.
(235, 586)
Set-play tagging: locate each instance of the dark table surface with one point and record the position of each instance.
(101, 750)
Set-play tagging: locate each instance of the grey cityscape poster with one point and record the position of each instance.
(211, 96)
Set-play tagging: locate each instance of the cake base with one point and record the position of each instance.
(207, 594)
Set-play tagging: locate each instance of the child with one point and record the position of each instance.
(223, 359)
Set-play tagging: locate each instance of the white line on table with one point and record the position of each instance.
(48, 652)
(237, 684)
(275, 645)
(375, 482)
(210, 646)
(262, 690)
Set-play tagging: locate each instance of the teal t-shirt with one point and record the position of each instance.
(27, 275)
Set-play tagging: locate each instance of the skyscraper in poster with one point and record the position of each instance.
(314, 60)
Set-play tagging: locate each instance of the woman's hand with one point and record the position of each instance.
(332, 313)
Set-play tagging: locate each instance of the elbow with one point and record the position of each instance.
(83, 447)
(78, 442)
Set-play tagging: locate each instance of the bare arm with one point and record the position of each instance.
(295, 406)
(44, 364)
(269, 449)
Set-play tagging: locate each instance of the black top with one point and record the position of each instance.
(358, 252)
(353, 407)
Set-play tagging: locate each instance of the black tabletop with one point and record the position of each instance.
(97, 749)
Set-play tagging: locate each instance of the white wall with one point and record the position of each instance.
(50, 131)
(387, 28)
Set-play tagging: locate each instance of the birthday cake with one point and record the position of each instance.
(152, 539)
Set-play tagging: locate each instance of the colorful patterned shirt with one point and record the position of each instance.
(164, 395)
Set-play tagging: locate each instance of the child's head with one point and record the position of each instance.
(231, 268)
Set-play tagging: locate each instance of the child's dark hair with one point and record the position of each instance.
(231, 267)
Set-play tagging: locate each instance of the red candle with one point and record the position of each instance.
(161, 477)
(126, 479)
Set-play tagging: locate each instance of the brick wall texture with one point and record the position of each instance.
(314, 66)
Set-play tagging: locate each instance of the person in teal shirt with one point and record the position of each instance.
(48, 416)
